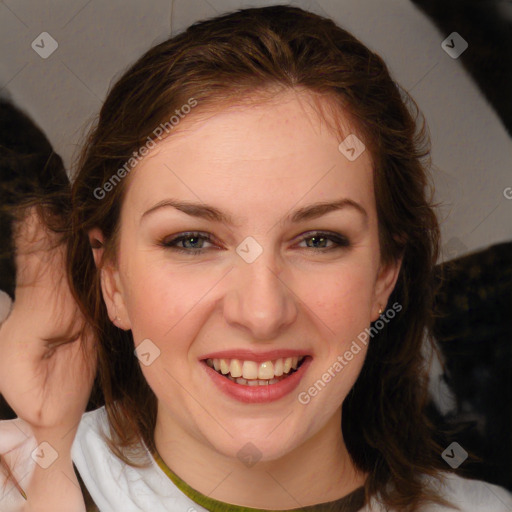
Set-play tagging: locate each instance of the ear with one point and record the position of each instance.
(111, 285)
(384, 285)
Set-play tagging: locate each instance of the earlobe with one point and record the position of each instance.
(384, 286)
(114, 297)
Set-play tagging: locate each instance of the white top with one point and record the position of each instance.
(116, 487)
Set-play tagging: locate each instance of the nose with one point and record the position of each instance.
(259, 300)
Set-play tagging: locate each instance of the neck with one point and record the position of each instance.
(320, 470)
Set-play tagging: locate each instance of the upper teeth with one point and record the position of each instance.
(253, 370)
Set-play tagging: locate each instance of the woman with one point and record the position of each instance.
(45, 356)
(260, 279)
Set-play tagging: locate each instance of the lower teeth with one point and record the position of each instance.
(257, 382)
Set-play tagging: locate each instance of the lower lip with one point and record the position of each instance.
(258, 394)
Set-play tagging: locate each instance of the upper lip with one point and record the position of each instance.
(250, 355)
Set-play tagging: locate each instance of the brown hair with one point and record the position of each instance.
(31, 175)
(235, 59)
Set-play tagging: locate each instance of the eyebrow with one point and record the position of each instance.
(211, 213)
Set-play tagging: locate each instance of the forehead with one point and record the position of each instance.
(278, 151)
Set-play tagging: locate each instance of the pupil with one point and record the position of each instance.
(316, 239)
(193, 238)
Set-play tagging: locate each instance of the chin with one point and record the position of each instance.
(256, 447)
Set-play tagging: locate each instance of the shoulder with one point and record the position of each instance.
(92, 458)
(473, 495)
(114, 485)
(466, 494)
(89, 447)
(93, 424)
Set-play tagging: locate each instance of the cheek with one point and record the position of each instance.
(160, 299)
(342, 301)
(342, 297)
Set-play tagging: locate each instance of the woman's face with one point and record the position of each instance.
(265, 287)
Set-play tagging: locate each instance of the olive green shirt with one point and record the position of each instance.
(350, 503)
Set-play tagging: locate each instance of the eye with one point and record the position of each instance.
(319, 238)
(194, 237)
(192, 242)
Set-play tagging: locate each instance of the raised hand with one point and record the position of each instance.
(46, 383)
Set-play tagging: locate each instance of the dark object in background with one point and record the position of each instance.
(474, 333)
(486, 27)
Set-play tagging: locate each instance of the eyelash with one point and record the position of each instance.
(341, 242)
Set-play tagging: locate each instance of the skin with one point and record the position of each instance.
(256, 164)
(48, 387)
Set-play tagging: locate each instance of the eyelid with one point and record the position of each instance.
(339, 240)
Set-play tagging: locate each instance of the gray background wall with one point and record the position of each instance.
(97, 40)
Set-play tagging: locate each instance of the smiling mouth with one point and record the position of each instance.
(251, 373)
